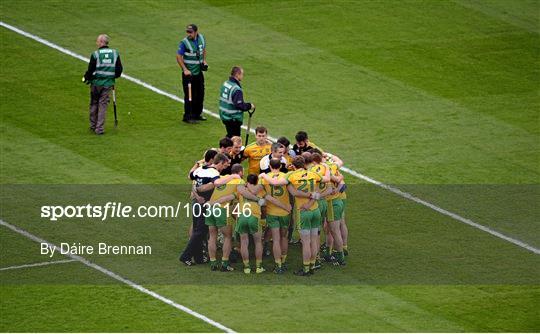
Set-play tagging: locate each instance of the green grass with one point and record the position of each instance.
(441, 98)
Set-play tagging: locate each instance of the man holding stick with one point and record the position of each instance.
(103, 68)
(231, 103)
(191, 56)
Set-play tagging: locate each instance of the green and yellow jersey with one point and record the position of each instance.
(334, 170)
(255, 153)
(321, 170)
(305, 181)
(278, 192)
(252, 205)
(225, 189)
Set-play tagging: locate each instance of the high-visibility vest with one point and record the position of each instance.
(193, 55)
(227, 110)
(105, 67)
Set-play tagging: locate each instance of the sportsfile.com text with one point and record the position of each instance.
(112, 210)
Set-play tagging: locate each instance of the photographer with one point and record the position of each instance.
(191, 56)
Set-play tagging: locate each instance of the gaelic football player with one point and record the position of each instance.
(302, 184)
(278, 209)
(218, 210)
(250, 202)
(254, 152)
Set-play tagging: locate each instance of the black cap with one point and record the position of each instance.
(192, 27)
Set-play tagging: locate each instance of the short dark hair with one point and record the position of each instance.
(284, 141)
(192, 26)
(236, 70)
(307, 157)
(316, 157)
(299, 162)
(209, 155)
(315, 150)
(261, 129)
(225, 142)
(236, 168)
(253, 179)
(301, 136)
(219, 158)
(275, 164)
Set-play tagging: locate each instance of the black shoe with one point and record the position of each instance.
(234, 256)
(329, 258)
(202, 260)
(200, 118)
(279, 270)
(338, 263)
(188, 263)
(301, 272)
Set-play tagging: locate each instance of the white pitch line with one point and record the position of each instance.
(40, 264)
(345, 169)
(120, 278)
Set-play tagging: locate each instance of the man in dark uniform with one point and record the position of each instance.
(103, 68)
(231, 103)
(191, 56)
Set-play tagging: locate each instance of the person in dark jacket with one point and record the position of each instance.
(231, 103)
(104, 67)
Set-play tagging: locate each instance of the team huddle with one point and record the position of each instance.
(284, 189)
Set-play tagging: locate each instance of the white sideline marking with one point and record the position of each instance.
(345, 169)
(40, 264)
(120, 278)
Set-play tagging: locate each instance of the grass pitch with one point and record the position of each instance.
(439, 98)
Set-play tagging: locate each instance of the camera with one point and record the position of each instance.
(204, 67)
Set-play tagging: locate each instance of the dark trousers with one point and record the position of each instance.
(233, 128)
(99, 100)
(193, 109)
(195, 245)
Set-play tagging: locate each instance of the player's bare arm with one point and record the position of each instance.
(223, 199)
(287, 207)
(326, 178)
(273, 181)
(225, 179)
(297, 193)
(246, 193)
(336, 178)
